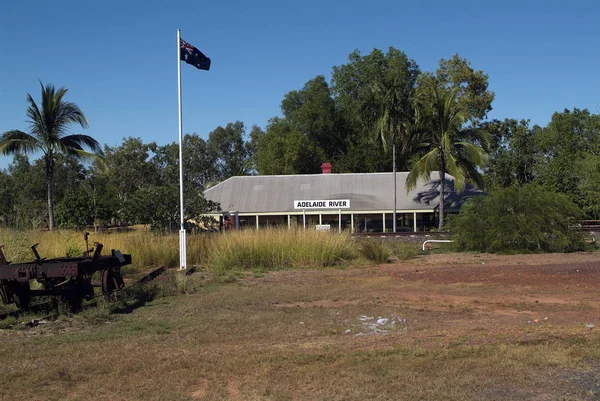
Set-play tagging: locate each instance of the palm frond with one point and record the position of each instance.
(37, 125)
(16, 141)
(69, 113)
(86, 156)
(423, 168)
(78, 141)
(472, 154)
(454, 169)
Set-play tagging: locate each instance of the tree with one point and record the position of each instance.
(283, 150)
(512, 152)
(447, 147)
(6, 198)
(589, 185)
(129, 170)
(312, 111)
(366, 89)
(472, 86)
(48, 127)
(230, 149)
(571, 136)
(393, 95)
(28, 193)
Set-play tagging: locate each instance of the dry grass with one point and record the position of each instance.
(270, 249)
(305, 335)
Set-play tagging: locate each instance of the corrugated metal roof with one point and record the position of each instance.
(366, 192)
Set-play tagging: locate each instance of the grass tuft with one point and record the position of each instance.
(377, 251)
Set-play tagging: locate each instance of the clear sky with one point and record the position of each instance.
(118, 57)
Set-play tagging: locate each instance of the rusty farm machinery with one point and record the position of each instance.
(68, 278)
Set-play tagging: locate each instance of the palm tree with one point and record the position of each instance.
(47, 134)
(395, 117)
(447, 147)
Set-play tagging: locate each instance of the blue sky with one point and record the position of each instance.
(118, 57)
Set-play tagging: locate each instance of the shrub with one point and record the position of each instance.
(518, 219)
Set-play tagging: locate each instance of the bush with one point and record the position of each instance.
(518, 219)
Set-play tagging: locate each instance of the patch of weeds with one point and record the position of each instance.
(376, 251)
(134, 297)
(405, 251)
(8, 323)
(73, 250)
(164, 328)
(181, 282)
(99, 313)
(227, 278)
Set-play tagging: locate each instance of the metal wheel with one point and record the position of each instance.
(111, 281)
(3, 294)
(20, 295)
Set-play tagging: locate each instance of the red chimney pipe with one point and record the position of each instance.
(326, 168)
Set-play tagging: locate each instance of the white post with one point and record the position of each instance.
(352, 222)
(383, 222)
(340, 220)
(415, 221)
(304, 218)
(182, 240)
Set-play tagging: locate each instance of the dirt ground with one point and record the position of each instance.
(437, 327)
(499, 293)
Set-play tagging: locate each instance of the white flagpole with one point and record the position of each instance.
(182, 241)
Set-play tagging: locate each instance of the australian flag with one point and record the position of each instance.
(193, 56)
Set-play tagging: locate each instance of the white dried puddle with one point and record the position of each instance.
(367, 325)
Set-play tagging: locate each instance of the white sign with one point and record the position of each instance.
(322, 204)
(323, 227)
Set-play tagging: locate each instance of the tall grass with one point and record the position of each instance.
(279, 249)
(269, 249)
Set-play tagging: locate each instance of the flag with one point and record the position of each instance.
(193, 56)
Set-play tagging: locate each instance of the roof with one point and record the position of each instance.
(366, 192)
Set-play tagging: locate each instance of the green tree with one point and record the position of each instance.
(372, 94)
(447, 147)
(393, 95)
(512, 153)
(48, 127)
(252, 145)
(28, 193)
(589, 185)
(471, 85)
(283, 150)
(229, 147)
(6, 198)
(571, 136)
(128, 170)
(312, 111)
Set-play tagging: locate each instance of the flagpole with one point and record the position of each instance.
(182, 241)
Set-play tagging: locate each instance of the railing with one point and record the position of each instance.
(436, 240)
(590, 225)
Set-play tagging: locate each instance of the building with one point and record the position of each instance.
(360, 202)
